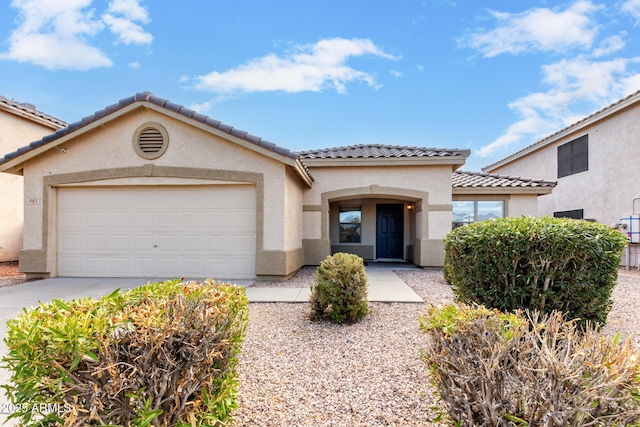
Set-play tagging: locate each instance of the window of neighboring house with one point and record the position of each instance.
(574, 214)
(573, 157)
(468, 211)
(350, 224)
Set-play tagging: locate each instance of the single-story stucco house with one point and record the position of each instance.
(148, 188)
(20, 123)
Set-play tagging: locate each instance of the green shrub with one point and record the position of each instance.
(523, 369)
(164, 354)
(540, 264)
(340, 292)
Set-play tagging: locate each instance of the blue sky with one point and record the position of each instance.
(491, 76)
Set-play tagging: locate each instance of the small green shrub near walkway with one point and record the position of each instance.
(340, 292)
(542, 264)
(164, 354)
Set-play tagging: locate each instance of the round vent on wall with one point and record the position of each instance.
(150, 140)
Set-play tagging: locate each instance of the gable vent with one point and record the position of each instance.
(150, 140)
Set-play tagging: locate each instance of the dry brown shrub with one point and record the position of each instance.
(527, 369)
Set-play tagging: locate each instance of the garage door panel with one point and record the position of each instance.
(206, 231)
(119, 243)
(71, 243)
(117, 219)
(168, 266)
(93, 219)
(95, 242)
(71, 219)
(141, 265)
(144, 219)
(139, 243)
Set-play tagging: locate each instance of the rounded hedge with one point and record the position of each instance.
(340, 291)
(536, 263)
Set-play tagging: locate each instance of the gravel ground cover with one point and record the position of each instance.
(10, 275)
(294, 372)
(298, 373)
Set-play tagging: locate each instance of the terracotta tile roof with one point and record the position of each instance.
(368, 151)
(30, 110)
(602, 113)
(463, 179)
(175, 108)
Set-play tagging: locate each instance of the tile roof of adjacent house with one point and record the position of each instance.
(368, 151)
(29, 110)
(598, 115)
(163, 103)
(463, 179)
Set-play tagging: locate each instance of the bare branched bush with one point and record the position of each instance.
(164, 354)
(527, 369)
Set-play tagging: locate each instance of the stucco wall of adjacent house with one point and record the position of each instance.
(190, 150)
(606, 190)
(426, 187)
(15, 132)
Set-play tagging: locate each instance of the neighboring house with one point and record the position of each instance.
(148, 188)
(594, 162)
(19, 125)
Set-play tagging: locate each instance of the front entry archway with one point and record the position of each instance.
(390, 231)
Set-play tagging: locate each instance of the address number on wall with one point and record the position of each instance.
(33, 201)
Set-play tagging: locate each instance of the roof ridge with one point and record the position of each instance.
(31, 109)
(415, 147)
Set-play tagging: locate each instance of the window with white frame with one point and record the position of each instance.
(468, 211)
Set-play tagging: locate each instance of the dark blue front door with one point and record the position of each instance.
(389, 231)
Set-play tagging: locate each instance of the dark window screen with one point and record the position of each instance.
(574, 214)
(573, 157)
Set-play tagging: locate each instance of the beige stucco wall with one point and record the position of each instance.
(607, 189)
(427, 187)
(15, 132)
(192, 153)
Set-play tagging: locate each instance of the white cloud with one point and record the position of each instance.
(572, 82)
(537, 29)
(397, 74)
(632, 7)
(135, 65)
(309, 68)
(56, 34)
(609, 45)
(125, 26)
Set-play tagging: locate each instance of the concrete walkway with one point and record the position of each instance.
(383, 286)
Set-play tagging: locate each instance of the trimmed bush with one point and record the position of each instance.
(520, 369)
(164, 354)
(542, 264)
(340, 292)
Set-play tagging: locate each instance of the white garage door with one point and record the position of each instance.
(157, 232)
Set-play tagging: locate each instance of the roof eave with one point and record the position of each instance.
(540, 191)
(16, 163)
(386, 161)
